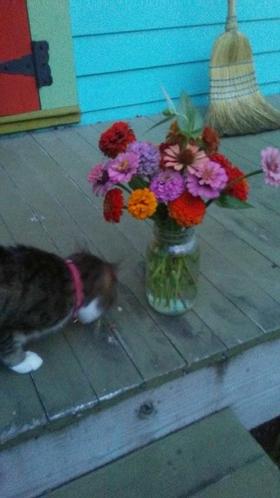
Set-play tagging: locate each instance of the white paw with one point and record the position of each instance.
(31, 362)
(91, 312)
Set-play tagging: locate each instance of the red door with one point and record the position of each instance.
(18, 93)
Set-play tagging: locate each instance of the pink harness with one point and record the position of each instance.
(78, 285)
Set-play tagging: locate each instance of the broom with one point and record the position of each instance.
(236, 105)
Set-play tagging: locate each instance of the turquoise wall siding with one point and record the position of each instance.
(126, 50)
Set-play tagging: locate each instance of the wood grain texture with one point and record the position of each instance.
(259, 479)
(248, 383)
(178, 464)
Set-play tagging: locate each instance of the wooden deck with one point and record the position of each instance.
(191, 463)
(128, 374)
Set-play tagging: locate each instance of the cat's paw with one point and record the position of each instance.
(31, 362)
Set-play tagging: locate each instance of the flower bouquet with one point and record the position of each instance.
(172, 183)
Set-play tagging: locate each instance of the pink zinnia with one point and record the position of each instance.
(206, 179)
(99, 178)
(270, 160)
(171, 157)
(123, 167)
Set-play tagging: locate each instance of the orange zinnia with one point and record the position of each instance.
(187, 210)
(142, 203)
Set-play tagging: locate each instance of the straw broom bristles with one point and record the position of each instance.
(236, 105)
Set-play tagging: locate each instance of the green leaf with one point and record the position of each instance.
(185, 104)
(137, 182)
(227, 201)
(190, 120)
(162, 121)
(171, 105)
(183, 124)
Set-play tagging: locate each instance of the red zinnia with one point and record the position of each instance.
(187, 210)
(211, 139)
(113, 205)
(116, 139)
(238, 189)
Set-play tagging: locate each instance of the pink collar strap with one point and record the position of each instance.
(78, 285)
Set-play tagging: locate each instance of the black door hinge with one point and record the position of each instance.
(34, 64)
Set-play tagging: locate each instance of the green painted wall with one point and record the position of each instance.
(49, 20)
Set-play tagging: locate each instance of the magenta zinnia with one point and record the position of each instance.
(123, 167)
(270, 160)
(99, 178)
(206, 178)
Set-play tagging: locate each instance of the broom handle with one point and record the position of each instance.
(231, 23)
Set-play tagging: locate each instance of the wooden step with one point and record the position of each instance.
(213, 458)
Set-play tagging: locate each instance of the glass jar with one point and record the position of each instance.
(172, 269)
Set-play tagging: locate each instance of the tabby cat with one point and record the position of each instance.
(41, 292)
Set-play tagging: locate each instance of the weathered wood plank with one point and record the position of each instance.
(21, 219)
(21, 409)
(270, 138)
(265, 273)
(63, 232)
(229, 323)
(258, 479)
(261, 234)
(5, 235)
(140, 127)
(63, 388)
(240, 289)
(177, 465)
(103, 360)
(248, 383)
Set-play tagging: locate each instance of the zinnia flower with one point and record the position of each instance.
(238, 189)
(142, 203)
(149, 157)
(206, 178)
(123, 167)
(116, 139)
(187, 210)
(99, 178)
(211, 139)
(167, 185)
(113, 205)
(174, 157)
(270, 160)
